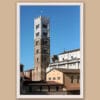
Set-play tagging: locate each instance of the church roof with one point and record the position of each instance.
(69, 51)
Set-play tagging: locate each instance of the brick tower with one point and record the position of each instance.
(41, 47)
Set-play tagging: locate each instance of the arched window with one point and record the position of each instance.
(37, 59)
(37, 51)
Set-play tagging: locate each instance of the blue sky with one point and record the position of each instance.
(64, 30)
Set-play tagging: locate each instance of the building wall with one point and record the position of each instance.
(33, 75)
(72, 81)
(69, 55)
(21, 74)
(55, 74)
(74, 64)
(67, 60)
(27, 74)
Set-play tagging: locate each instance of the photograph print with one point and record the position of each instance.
(49, 50)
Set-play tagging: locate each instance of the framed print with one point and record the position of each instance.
(49, 50)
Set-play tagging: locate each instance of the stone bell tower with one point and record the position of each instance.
(41, 47)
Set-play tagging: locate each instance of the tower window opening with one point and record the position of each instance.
(45, 34)
(45, 42)
(37, 51)
(37, 59)
(45, 51)
(37, 42)
(44, 26)
(37, 26)
(37, 34)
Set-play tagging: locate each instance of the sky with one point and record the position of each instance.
(64, 30)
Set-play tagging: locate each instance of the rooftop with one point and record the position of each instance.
(39, 83)
(69, 51)
(66, 70)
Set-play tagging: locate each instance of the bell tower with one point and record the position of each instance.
(41, 47)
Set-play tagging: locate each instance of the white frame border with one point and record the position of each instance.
(18, 51)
